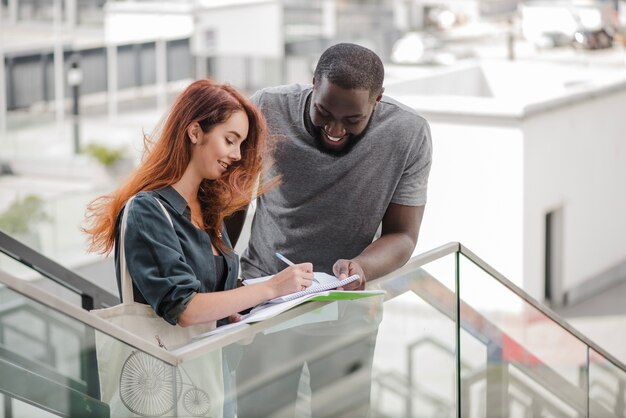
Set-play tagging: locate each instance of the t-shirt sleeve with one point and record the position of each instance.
(413, 185)
(156, 261)
(256, 98)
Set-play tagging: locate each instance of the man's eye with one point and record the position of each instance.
(322, 113)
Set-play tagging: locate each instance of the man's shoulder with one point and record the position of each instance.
(399, 113)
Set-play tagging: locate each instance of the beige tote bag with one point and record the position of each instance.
(135, 384)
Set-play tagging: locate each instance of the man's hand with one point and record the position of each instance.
(344, 268)
(234, 318)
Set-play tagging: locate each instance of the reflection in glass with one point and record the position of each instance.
(528, 364)
(607, 387)
(414, 361)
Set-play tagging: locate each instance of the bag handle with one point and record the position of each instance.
(126, 281)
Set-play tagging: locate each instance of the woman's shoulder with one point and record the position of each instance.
(144, 202)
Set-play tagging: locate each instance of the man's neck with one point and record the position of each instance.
(308, 124)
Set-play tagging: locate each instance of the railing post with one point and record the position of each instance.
(89, 361)
(457, 328)
(497, 382)
(584, 379)
(8, 406)
(620, 403)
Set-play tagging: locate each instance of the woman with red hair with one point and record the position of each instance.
(201, 168)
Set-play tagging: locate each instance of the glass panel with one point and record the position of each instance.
(316, 364)
(50, 359)
(21, 271)
(53, 365)
(607, 387)
(414, 361)
(520, 362)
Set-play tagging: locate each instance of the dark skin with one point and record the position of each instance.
(343, 115)
(340, 116)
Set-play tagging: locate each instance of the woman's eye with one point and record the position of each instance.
(229, 142)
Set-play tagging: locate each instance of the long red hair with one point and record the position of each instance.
(168, 153)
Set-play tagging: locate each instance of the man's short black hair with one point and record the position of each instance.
(351, 66)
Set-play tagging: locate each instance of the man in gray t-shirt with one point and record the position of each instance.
(349, 159)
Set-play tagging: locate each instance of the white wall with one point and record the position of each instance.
(258, 31)
(127, 22)
(475, 194)
(576, 158)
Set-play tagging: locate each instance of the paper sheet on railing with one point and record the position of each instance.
(269, 310)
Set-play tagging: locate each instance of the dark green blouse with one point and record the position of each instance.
(169, 265)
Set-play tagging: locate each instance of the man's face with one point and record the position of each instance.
(339, 115)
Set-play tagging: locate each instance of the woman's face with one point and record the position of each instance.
(216, 151)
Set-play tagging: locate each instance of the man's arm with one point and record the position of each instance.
(400, 229)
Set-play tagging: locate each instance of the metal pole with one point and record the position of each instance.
(3, 97)
(74, 79)
(59, 85)
(71, 13)
(12, 6)
(112, 80)
(161, 73)
(75, 116)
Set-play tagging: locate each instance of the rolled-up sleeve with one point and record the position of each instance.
(156, 261)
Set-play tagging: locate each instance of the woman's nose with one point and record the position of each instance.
(235, 155)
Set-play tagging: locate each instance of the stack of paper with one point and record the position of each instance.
(320, 290)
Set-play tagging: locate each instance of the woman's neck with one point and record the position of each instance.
(188, 186)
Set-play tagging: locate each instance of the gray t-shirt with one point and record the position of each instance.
(329, 207)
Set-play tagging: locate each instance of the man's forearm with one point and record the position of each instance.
(386, 254)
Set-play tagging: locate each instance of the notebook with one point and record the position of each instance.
(321, 283)
(269, 310)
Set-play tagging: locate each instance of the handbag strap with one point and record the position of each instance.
(126, 281)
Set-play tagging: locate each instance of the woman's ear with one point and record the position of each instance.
(193, 132)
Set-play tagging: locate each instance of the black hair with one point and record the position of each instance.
(351, 66)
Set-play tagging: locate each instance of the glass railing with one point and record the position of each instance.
(21, 261)
(48, 363)
(450, 338)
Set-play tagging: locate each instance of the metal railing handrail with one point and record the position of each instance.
(539, 306)
(454, 247)
(92, 296)
(46, 299)
(389, 282)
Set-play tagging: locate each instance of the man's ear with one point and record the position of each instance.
(380, 96)
(193, 132)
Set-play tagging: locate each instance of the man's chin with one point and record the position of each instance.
(332, 149)
(332, 145)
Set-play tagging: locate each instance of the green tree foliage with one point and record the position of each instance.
(107, 156)
(22, 215)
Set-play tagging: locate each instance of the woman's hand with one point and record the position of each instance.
(292, 279)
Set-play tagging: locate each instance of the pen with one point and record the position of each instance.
(290, 263)
(284, 259)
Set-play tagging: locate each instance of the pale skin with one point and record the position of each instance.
(213, 153)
